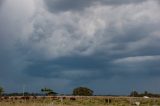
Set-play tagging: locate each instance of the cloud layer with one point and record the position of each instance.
(80, 43)
(72, 5)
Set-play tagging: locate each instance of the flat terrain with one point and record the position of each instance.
(78, 101)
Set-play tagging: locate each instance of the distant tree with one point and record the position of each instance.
(1, 90)
(48, 91)
(134, 94)
(145, 93)
(82, 91)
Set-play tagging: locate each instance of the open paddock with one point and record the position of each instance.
(78, 101)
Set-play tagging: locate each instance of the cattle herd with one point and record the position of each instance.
(104, 100)
(53, 98)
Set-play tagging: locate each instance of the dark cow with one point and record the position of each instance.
(72, 98)
(108, 100)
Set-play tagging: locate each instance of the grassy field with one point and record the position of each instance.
(78, 101)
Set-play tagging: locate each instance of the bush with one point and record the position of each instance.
(1, 90)
(82, 91)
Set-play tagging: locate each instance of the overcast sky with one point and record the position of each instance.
(110, 46)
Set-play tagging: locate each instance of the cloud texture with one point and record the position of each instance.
(99, 44)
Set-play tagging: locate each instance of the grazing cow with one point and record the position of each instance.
(108, 100)
(6, 98)
(72, 98)
(64, 97)
(25, 98)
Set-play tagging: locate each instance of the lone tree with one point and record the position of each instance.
(48, 91)
(82, 91)
(1, 91)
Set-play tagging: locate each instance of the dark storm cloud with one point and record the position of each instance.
(102, 46)
(74, 5)
(82, 68)
(55, 68)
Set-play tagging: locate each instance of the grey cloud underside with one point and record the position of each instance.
(93, 66)
(78, 5)
(75, 64)
(101, 61)
(91, 47)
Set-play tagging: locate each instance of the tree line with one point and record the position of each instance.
(145, 93)
(79, 91)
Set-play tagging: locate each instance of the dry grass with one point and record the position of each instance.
(79, 101)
